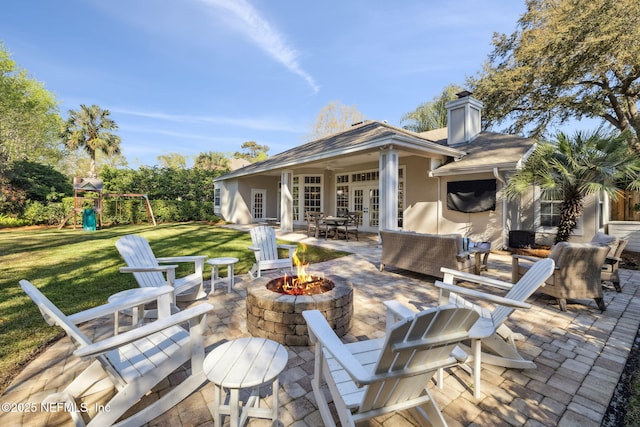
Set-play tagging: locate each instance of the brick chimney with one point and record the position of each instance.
(463, 115)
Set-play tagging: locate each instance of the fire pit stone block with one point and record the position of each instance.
(279, 316)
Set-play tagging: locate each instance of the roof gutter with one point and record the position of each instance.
(474, 169)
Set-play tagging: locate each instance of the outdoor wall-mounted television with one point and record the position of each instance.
(471, 196)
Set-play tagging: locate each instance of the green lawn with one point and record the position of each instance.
(77, 270)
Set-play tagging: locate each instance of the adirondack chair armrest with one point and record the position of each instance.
(290, 248)
(160, 268)
(495, 299)
(149, 295)
(475, 278)
(254, 248)
(135, 334)
(191, 258)
(321, 334)
(287, 246)
(396, 311)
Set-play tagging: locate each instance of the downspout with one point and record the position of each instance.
(439, 207)
(504, 207)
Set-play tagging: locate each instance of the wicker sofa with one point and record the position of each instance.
(423, 253)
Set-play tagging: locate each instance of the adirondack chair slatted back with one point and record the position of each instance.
(54, 316)
(135, 362)
(524, 288)
(415, 349)
(264, 238)
(136, 251)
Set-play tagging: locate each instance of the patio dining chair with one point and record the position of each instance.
(350, 226)
(316, 225)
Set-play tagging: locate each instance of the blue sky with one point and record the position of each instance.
(194, 76)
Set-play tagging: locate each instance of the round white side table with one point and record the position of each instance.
(245, 363)
(215, 264)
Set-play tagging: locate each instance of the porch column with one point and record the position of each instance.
(388, 188)
(286, 201)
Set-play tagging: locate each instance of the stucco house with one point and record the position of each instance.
(448, 180)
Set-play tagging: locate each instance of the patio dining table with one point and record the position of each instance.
(334, 222)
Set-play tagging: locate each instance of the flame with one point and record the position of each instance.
(299, 284)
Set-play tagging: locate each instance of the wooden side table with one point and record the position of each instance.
(245, 363)
(480, 251)
(215, 264)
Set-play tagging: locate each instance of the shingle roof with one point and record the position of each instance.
(487, 151)
(369, 134)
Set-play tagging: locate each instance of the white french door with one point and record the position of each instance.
(258, 204)
(366, 199)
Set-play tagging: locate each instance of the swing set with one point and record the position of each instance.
(87, 195)
(143, 199)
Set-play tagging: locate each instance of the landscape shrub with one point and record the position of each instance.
(37, 213)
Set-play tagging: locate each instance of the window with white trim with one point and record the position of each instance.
(307, 195)
(216, 197)
(549, 210)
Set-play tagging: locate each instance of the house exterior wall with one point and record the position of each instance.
(479, 226)
(233, 208)
(421, 195)
(426, 205)
(236, 198)
(527, 218)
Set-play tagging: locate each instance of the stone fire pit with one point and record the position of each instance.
(278, 316)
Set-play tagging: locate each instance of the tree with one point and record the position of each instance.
(566, 59)
(431, 115)
(91, 128)
(253, 152)
(172, 161)
(334, 117)
(213, 160)
(572, 168)
(40, 182)
(29, 119)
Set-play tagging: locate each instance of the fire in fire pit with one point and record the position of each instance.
(293, 286)
(301, 284)
(275, 305)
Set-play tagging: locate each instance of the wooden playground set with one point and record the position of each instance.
(90, 191)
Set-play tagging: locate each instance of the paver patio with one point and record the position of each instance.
(580, 354)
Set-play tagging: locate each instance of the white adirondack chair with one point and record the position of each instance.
(499, 348)
(132, 362)
(149, 271)
(370, 378)
(265, 248)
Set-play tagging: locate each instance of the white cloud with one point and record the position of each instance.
(265, 36)
(263, 124)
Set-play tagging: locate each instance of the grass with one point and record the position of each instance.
(78, 270)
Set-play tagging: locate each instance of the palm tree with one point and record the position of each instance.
(430, 115)
(572, 168)
(91, 128)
